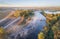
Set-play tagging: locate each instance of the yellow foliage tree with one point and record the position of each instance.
(45, 29)
(54, 28)
(17, 13)
(41, 35)
(2, 33)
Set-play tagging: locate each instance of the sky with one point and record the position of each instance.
(30, 3)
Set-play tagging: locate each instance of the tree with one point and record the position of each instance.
(54, 28)
(49, 34)
(41, 35)
(17, 13)
(45, 29)
(24, 15)
(3, 34)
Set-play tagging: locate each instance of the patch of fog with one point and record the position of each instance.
(12, 22)
(51, 12)
(3, 14)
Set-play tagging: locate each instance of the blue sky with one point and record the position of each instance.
(32, 3)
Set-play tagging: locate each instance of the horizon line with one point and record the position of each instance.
(29, 6)
(24, 6)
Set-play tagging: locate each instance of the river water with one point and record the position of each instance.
(36, 25)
